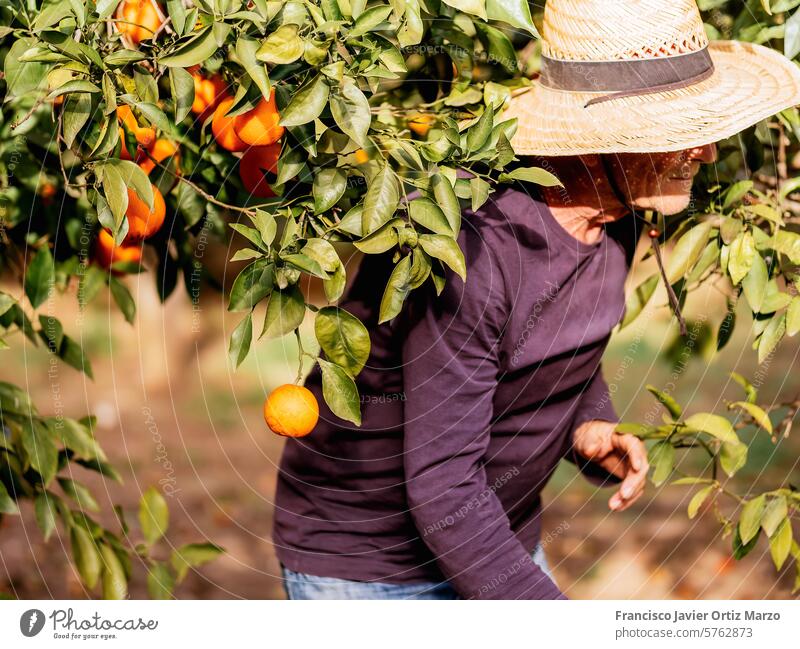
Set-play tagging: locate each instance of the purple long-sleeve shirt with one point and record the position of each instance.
(469, 401)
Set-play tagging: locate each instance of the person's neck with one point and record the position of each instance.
(586, 201)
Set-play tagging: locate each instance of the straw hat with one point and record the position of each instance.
(640, 76)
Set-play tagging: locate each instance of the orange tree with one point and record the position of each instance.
(302, 125)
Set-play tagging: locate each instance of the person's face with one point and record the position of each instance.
(661, 181)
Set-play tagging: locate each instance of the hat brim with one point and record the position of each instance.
(749, 83)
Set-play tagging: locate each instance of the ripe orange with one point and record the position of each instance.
(222, 128)
(259, 127)
(142, 223)
(160, 151)
(252, 167)
(144, 134)
(421, 124)
(107, 253)
(139, 20)
(291, 410)
(362, 157)
(207, 94)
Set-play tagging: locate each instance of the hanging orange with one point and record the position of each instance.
(107, 253)
(291, 410)
(144, 223)
(259, 127)
(139, 20)
(208, 92)
(222, 128)
(255, 163)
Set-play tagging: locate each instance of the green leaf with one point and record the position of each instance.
(73, 355)
(153, 515)
(115, 584)
(479, 190)
(307, 103)
(351, 112)
(793, 317)
(380, 240)
(479, 132)
(381, 201)
(192, 52)
(328, 188)
(369, 20)
(116, 193)
(714, 425)
(181, 85)
(750, 518)
(732, 457)
(246, 50)
(771, 337)
(122, 296)
(46, 510)
(160, 582)
(8, 506)
(429, 215)
(754, 283)
(532, 175)
(86, 555)
(240, 340)
(343, 338)
(737, 192)
(252, 285)
(340, 392)
(741, 550)
(121, 58)
(756, 412)
(446, 249)
(77, 109)
(77, 438)
(285, 312)
(687, 251)
(638, 299)
(446, 199)
(512, 12)
(79, 493)
(23, 77)
(40, 277)
(781, 543)
(397, 289)
(474, 7)
(282, 46)
(741, 256)
(40, 448)
(698, 499)
(662, 459)
(193, 555)
(751, 393)
(775, 511)
(303, 262)
(667, 401)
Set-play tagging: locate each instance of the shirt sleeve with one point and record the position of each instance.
(594, 404)
(450, 371)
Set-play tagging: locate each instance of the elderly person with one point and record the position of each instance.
(471, 398)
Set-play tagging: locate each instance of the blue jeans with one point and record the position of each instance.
(303, 586)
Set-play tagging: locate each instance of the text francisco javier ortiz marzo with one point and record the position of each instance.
(65, 620)
(696, 616)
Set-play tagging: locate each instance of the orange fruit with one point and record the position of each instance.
(362, 157)
(421, 124)
(47, 190)
(291, 410)
(139, 20)
(160, 151)
(259, 127)
(257, 161)
(107, 253)
(143, 223)
(144, 134)
(222, 128)
(207, 94)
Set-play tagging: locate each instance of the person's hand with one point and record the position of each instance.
(624, 456)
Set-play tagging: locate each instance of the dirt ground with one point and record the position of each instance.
(171, 412)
